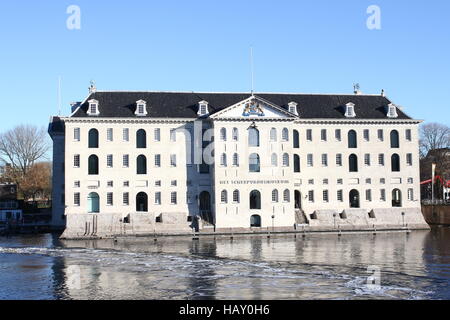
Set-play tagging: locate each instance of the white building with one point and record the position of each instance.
(131, 163)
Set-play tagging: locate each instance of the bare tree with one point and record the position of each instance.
(433, 136)
(22, 146)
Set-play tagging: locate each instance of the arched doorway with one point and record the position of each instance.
(354, 199)
(205, 206)
(142, 202)
(255, 221)
(255, 200)
(93, 203)
(396, 198)
(298, 199)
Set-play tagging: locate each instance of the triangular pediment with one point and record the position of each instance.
(253, 108)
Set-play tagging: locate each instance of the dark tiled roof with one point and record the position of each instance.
(185, 105)
(56, 126)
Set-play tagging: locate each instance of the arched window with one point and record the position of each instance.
(141, 202)
(253, 137)
(93, 203)
(255, 221)
(223, 134)
(352, 139)
(254, 163)
(285, 135)
(353, 163)
(395, 140)
(141, 139)
(255, 200)
(396, 198)
(223, 160)
(273, 135)
(274, 160)
(93, 165)
(285, 160)
(93, 138)
(235, 134)
(224, 196)
(296, 163)
(296, 139)
(236, 160)
(275, 195)
(286, 196)
(395, 163)
(354, 199)
(141, 164)
(236, 196)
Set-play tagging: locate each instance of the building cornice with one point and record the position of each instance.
(358, 121)
(128, 120)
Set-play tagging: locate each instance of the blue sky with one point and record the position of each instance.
(320, 46)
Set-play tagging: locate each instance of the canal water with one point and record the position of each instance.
(361, 266)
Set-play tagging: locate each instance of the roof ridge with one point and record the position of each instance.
(230, 92)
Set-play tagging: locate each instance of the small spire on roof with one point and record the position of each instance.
(92, 87)
(357, 88)
(382, 93)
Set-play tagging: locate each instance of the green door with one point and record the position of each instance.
(93, 203)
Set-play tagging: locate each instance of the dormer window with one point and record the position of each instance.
(203, 109)
(93, 108)
(392, 111)
(350, 110)
(141, 108)
(292, 107)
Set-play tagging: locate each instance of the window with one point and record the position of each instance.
(203, 108)
(110, 184)
(173, 183)
(324, 160)
(275, 196)
(339, 160)
(141, 109)
(368, 181)
(93, 108)
(381, 135)
(383, 195)
(367, 159)
(126, 161)
(236, 196)
(408, 135)
(296, 163)
(411, 194)
(325, 196)
(340, 181)
(126, 199)
(109, 198)
(126, 134)
(311, 195)
(173, 160)
(350, 110)
(311, 181)
(93, 138)
(253, 137)
(381, 159)
(395, 163)
(273, 135)
(353, 163)
(126, 184)
(285, 135)
(109, 160)
(395, 143)
(77, 184)
(382, 181)
(392, 111)
(76, 199)
(286, 196)
(173, 198)
(109, 134)
(274, 160)
(366, 135)
(223, 134)
(141, 139)
(285, 160)
(236, 160)
(158, 198)
(309, 136)
(157, 160)
(255, 200)
(296, 139)
(254, 163)
(409, 159)
(325, 181)
(396, 198)
(158, 183)
(173, 135)
(292, 106)
(235, 134)
(352, 139)
(338, 135)
(323, 135)
(223, 160)
(340, 195)
(224, 196)
(93, 165)
(157, 134)
(369, 195)
(410, 180)
(141, 164)
(76, 134)
(310, 160)
(76, 161)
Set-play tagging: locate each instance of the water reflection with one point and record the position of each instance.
(414, 266)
